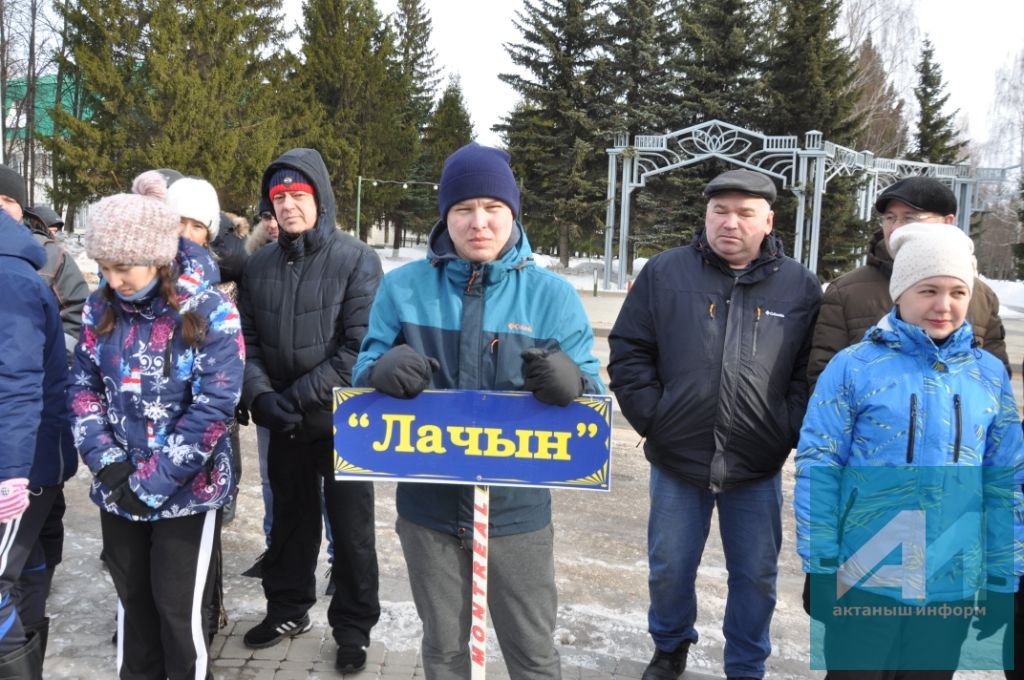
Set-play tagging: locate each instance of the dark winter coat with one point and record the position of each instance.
(140, 393)
(859, 299)
(35, 427)
(305, 304)
(476, 320)
(709, 363)
(62, 275)
(229, 247)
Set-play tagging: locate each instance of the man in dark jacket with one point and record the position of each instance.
(708, 362)
(61, 272)
(38, 454)
(478, 314)
(305, 301)
(857, 300)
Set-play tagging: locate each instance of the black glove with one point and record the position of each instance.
(402, 372)
(999, 610)
(129, 502)
(275, 412)
(116, 474)
(241, 415)
(552, 376)
(824, 589)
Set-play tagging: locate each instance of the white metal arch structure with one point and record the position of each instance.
(803, 170)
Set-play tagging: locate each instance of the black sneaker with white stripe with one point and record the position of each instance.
(268, 634)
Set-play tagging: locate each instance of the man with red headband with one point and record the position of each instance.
(305, 303)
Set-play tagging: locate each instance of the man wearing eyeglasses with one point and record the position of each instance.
(858, 299)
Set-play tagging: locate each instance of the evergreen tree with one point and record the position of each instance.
(936, 138)
(553, 136)
(448, 128)
(355, 92)
(416, 63)
(810, 78)
(168, 84)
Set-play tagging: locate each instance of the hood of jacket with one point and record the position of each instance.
(17, 241)
(878, 253)
(310, 163)
(897, 334)
(441, 251)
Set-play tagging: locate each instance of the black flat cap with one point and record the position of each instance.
(920, 193)
(45, 214)
(745, 182)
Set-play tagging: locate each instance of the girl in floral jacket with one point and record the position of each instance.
(156, 377)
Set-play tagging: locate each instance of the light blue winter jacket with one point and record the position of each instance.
(897, 400)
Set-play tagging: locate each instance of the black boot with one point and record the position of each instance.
(667, 665)
(24, 663)
(43, 629)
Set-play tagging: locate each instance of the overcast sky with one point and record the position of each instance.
(972, 39)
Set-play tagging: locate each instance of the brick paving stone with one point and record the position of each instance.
(291, 675)
(228, 663)
(305, 649)
(234, 648)
(401, 659)
(272, 664)
(275, 653)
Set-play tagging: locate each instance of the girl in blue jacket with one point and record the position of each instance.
(156, 377)
(909, 465)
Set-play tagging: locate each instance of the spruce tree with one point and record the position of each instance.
(352, 85)
(936, 137)
(810, 79)
(187, 85)
(885, 131)
(416, 63)
(553, 136)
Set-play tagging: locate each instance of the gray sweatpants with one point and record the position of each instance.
(521, 600)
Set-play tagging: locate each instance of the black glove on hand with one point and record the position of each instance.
(552, 376)
(824, 588)
(116, 474)
(241, 415)
(129, 502)
(275, 412)
(402, 372)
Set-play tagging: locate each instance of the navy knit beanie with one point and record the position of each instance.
(476, 171)
(13, 185)
(289, 179)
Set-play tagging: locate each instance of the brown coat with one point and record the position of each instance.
(857, 300)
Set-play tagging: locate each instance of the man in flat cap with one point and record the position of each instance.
(855, 301)
(708, 363)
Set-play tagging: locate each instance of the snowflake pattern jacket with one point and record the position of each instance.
(141, 393)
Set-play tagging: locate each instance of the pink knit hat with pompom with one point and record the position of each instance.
(137, 228)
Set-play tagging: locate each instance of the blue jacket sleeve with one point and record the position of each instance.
(22, 337)
(823, 450)
(578, 341)
(217, 371)
(1004, 503)
(382, 331)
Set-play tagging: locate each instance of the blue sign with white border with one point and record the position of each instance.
(473, 437)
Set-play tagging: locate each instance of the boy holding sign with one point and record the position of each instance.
(478, 314)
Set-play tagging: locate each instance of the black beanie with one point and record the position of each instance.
(12, 184)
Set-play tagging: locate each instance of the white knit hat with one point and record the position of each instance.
(921, 251)
(196, 199)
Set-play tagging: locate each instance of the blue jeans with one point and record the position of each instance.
(750, 522)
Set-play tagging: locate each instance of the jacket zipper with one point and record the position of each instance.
(913, 421)
(474, 275)
(757, 319)
(959, 426)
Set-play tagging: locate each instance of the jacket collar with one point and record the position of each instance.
(765, 265)
(441, 253)
(895, 333)
(878, 253)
